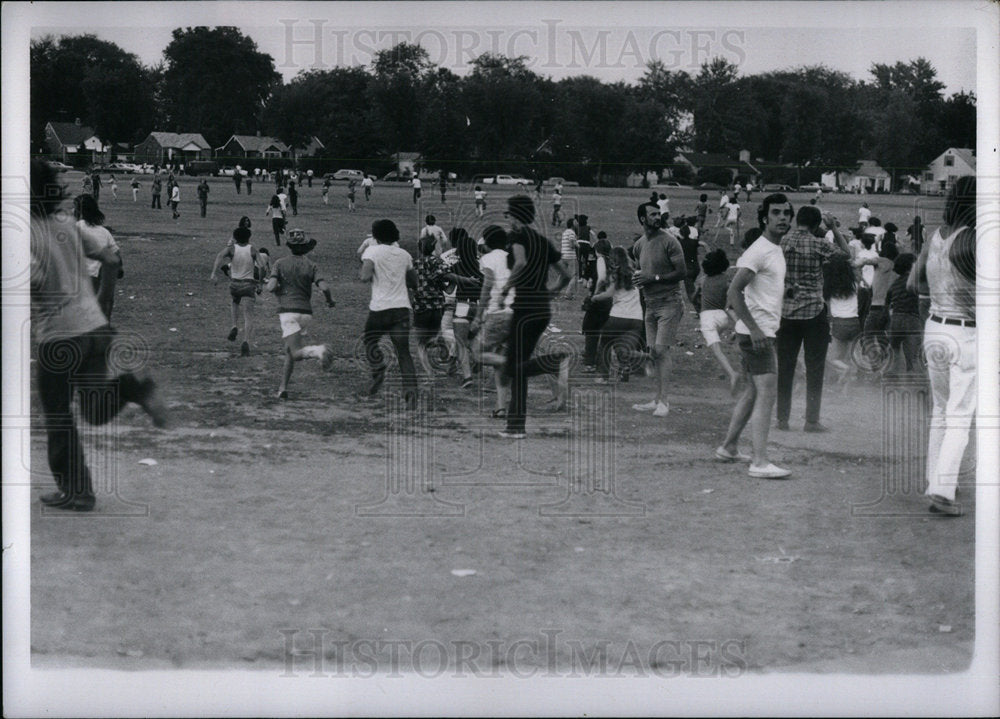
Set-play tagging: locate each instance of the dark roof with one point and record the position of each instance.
(180, 139)
(253, 143)
(69, 133)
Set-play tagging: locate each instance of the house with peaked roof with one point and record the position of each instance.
(67, 141)
(310, 148)
(161, 148)
(240, 147)
(740, 169)
(868, 177)
(947, 167)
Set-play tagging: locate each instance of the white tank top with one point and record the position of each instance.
(241, 268)
(626, 304)
(952, 295)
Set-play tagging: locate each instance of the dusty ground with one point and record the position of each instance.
(267, 527)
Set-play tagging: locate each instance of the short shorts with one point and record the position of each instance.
(663, 317)
(757, 362)
(712, 323)
(495, 330)
(238, 289)
(292, 322)
(845, 329)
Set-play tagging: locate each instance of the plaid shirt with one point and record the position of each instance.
(431, 279)
(804, 258)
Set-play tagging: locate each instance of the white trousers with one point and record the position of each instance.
(951, 363)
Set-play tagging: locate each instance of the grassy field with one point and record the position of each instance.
(263, 520)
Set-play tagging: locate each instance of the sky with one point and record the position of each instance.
(561, 39)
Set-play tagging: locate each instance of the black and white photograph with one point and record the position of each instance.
(501, 358)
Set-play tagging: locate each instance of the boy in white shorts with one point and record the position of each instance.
(291, 280)
(713, 317)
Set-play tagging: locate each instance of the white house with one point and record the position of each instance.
(66, 140)
(951, 164)
(869, 177)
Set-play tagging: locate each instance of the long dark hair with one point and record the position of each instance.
(960, 206)
(86, 209)
(620, 268)
(838, 277)
(468, 253)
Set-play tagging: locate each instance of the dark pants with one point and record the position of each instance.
(250, 187)
(527, 326)
(906, 331)
(204, 206)
(814, 334)
(79, 365)
(624, 338)
(864, 303)
(156, 203)
(416, 195)
(593, 320)
(395, 323)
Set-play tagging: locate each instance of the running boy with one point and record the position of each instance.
(291, 280)
(243, 283)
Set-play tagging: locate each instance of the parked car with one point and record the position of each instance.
(393, 176)
(357, 175)
(202, 167)
(561, 181)
(709, 186)
(59, 166)
(669, 183)
(814, 187)
(778, 188)
(122, 168)
(231, 171)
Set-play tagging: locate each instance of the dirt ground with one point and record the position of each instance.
(268, 533)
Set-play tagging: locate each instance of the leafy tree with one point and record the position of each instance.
(216, 82)
(396, 95)
(716, 124)
(508, 115)
(445, 132)
(958, 121)
(93, 80)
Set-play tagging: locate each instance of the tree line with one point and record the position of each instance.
(500, 116)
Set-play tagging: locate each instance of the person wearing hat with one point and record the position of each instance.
(533, 256)
(389, 269)
(243, 269)
(291, 280)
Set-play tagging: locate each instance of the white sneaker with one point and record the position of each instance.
(662, 410)
(769, 471)
(646, 406)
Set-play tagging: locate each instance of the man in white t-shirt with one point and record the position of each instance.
(723, 201)
(389, 269)
(733, 212)
(367, 184)
(864, 214)
(568, 248)
(756, 295)
(416, 189)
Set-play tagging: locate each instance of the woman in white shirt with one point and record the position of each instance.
(841, 293)
(94, 238)
(622, 333)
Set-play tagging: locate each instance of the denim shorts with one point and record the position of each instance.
(757, 362)
(663, 317)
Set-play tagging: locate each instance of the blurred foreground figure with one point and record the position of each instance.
(74, 344)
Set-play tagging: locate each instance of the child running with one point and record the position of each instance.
(841, 293)
(291, 280)
(276, 209)
(480, 198)
(244, 275)
(905, 326)
(710, 299)
(428, 299)
(351, 193)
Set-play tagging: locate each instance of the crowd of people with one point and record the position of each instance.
(799, 286)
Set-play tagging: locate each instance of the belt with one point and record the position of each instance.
(950, 321)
